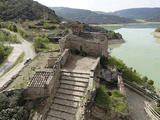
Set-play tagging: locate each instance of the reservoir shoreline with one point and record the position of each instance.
(141, 23)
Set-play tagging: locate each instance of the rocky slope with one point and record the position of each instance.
(25, 9)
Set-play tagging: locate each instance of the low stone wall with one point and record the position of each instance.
(151, 112)
(140, 91)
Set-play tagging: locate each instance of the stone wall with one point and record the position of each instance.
(49, 87)
(96, 46)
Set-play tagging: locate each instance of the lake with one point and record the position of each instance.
(140, 51)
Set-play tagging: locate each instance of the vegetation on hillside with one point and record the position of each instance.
(89, 17)
(13, 27)
(12, 106)
(147, 14)
(157, 30)
(4, 52)
(21, 10)
(7, 37)
(40, 42)
(131, 75)
(115, 102)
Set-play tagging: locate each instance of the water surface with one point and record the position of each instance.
(140, 51)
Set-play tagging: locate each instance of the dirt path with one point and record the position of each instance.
(16, 52)
(25, 47)
(136, 105)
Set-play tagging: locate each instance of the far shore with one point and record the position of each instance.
(140, 23)
(115, 41)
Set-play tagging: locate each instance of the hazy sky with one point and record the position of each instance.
(101, 5)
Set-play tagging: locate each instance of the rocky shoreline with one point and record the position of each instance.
(115, 41)
(157, 35)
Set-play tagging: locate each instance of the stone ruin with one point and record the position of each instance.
(64, 83)
(88, 43)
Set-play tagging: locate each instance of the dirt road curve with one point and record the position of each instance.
(25, 47)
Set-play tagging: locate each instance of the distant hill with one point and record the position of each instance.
(24, 9)
(148, 14)
(89, 17)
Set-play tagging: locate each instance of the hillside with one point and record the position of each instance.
(24, 9)
(89, 17)
(148, 14)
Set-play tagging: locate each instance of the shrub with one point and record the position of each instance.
(115, 102)
(102, 98)
(150, 82)
(4, 52)
(129, 74)
(40, 42)
(157, 30)
(12, 27)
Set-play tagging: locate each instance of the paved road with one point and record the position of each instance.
(136, 105)
(25, 47)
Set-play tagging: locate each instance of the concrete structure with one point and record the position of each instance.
(92, 44)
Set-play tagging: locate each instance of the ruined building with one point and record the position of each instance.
(93, 44)
(67, 82)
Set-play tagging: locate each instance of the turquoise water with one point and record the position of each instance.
(140, 51)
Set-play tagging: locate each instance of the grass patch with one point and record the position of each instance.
(49, 46)
(116, 102)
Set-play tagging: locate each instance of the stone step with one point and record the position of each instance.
(74, 83)
(68, 97)
(66, 102)
(61, 115)
(75, 72)
(53, 118)
(63, 108)
(71, 87)
(75, 75)
(70, 92)
(75, 79)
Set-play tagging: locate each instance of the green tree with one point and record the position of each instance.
(39, 42)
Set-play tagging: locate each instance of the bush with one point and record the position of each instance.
(40, 42)
(131, 75)
(127, 73)
(157, 30)
(102, 98)
(7, 37)
(12, 27)
(12, 106)
(115, 102)
(4, 52)
(150, 82)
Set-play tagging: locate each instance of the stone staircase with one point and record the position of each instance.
(69, 96)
